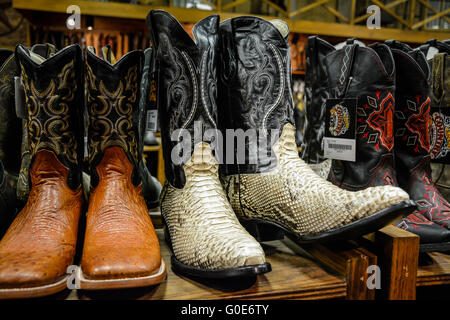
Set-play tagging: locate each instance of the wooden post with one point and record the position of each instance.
(398, 257)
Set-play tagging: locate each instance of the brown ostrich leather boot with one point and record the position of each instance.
(40, 244)
(121, 248)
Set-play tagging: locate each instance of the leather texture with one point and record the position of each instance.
(187, 83)
(255, 87)
(316, 93)
(297, 198)
(40, 243)
(367, 74)
(204, 231)
(412, 138)
(290, 194)
(120, 240)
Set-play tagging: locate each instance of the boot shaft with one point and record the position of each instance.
(187, 86)
(438, 56)
(368, 75)
(54, 104)
(316, 94)
(255, 89)
(412, 114)
(113, 108)
(10, 126)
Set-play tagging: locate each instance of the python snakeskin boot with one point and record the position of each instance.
(201, 227)
(121, 249)
(274, 192)
(412, 147)
(40, 244)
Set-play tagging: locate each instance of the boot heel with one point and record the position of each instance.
(263, 231)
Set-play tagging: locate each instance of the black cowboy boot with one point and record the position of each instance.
(412, 144)
(151, 188)
(10, 137)
(316, 94)
(10, 124)
(205, 235)
(272, 189)
(368, 75)
(438, 56)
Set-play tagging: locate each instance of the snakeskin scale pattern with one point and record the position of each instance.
(322, 169)
(296, 197)
(205, 233)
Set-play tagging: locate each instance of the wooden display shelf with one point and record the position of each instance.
(292, 277)
(437, 272)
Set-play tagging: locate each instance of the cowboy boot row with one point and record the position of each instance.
(120, 247)
(40, 243)
(299, 201)
(369, 74)
(275, 192)
(412, 148)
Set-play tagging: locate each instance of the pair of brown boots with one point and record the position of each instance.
(120, 247)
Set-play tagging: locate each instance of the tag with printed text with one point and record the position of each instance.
(152, 120)
(339, 141)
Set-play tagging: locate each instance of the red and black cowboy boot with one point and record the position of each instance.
(412, 147)
(368, 75)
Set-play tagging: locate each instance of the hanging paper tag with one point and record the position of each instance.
(440, 135)
(19, 98)
(152, 120)
(339, 141)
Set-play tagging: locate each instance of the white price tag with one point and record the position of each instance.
(152, 120)
(340, 149)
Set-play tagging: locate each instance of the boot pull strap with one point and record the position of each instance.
(437, 80)
(346, 69)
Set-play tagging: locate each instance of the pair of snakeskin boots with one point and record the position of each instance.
(235, 76)
(391, 83)
(120, 248)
